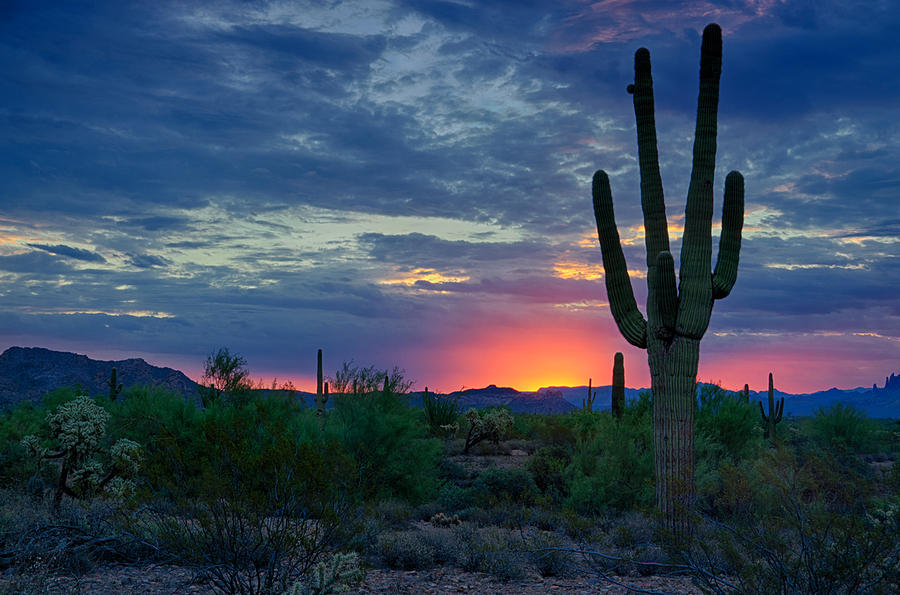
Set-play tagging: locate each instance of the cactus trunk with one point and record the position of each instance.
(618, 386)
(677, 317)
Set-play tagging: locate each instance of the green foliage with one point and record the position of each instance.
(441, 414)
(504, 486)
(843, 426)
(224, 375)
(547, 467)
(801, 525)
(266, 499)
(493, 425)
(612, 462)
(388, 443)
(727, 431)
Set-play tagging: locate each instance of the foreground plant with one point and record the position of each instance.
(77, 428)
(677, 318)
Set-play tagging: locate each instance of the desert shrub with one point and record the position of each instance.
(788, 525)
(727, 431)
(441, 413)
(490, 550)
(169, 428)
(547, 429)
(724, 419)
(842, 426)
(547, 467)
(613, 469)
(405, 550)
(265, 507)
(497, 486)
(39, 541)
(387, 441)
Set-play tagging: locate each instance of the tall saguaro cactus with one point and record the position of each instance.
(677, 318)
(321, 391)
(775, 412)
(588, 403)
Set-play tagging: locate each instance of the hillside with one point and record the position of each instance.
(28, 373)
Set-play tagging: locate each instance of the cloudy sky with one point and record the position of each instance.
(407, 182)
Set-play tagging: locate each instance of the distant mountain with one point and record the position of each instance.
(546, 400)
(28, 373)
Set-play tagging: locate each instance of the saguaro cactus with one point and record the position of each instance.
(775, 411)
(321, 391)
(746, 393)
(618, 385)
(587, 404)
(114, 389)
(678, 317)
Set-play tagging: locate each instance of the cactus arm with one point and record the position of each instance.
(762, 412)
(726, 270)
(624, 309)
(695, 289)
(666, 293)
(656, 234)
(779, 409)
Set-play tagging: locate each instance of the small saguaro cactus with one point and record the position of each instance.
(587, 403)
(114, 389)
(321, 391)
(618, 385)
(746, 393)
(775, 411)
(677, 315)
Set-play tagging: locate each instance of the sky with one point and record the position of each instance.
(407, 183)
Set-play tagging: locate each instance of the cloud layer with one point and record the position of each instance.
(407, 183)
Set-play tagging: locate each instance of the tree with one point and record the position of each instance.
(676, 318)
(224, 375)
(353, 380)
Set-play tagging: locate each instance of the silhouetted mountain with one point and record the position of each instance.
(28, 373)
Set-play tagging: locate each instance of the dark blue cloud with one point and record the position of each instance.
(70, 252)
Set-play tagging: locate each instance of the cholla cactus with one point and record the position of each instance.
(77, 427)
(338, 575)
(493, 425)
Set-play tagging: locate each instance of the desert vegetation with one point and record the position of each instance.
(253, 494)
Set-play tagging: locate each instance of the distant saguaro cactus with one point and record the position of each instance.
(746, 393)
(775, 412)
(618, 385)
(321, 391)
(587, 403)
(677, 317)
(114, 389)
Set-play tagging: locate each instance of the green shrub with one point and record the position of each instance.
(265, 506)
(497, 486)
(441, 414)
(406, 550)
(791, 525)
(843, 426)
(612, 467)
(388, 442)
(547, 467)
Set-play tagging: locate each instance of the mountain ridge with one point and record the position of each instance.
(28, 373)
